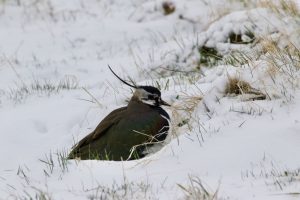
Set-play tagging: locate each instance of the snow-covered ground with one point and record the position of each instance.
(55, 87)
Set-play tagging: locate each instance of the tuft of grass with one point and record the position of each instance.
(183, 109)
(238, 59)
(126, 191)
(40, 195)
(196, 190)
(239, 87)
(48, 161)
(42, 88)
(53, 161)
(286, 59)
(274, 174)
(209, 56)
(236, 86)
(283, 60)
(248, 110)
(37, 194)
(281, 7)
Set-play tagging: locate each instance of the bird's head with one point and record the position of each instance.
(147, 94)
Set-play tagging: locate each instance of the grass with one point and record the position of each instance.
(239, 87)
(41, 88)
(281, 7)
(280, 63)
(126, 191)
(55, 162)
(37, 194)
(284, 59)
(274, 175)
(209, 56)
(196, 190)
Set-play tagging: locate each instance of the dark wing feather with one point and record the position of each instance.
(104, 125)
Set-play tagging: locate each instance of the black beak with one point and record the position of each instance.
(162, 102)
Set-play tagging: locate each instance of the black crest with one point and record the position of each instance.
(151, 89)
(133, 86)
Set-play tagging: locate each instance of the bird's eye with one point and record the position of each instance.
(151, 97)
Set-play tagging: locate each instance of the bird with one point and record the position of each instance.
(127, 133)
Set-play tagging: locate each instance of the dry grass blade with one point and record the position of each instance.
(94, 98)
(240, 87)
(197, 191)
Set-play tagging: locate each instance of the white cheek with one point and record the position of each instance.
(149, 102)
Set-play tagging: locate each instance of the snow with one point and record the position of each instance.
(244, 149)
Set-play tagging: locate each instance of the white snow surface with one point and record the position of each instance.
(241, 149)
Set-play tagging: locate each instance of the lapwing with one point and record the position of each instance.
(127, 132)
